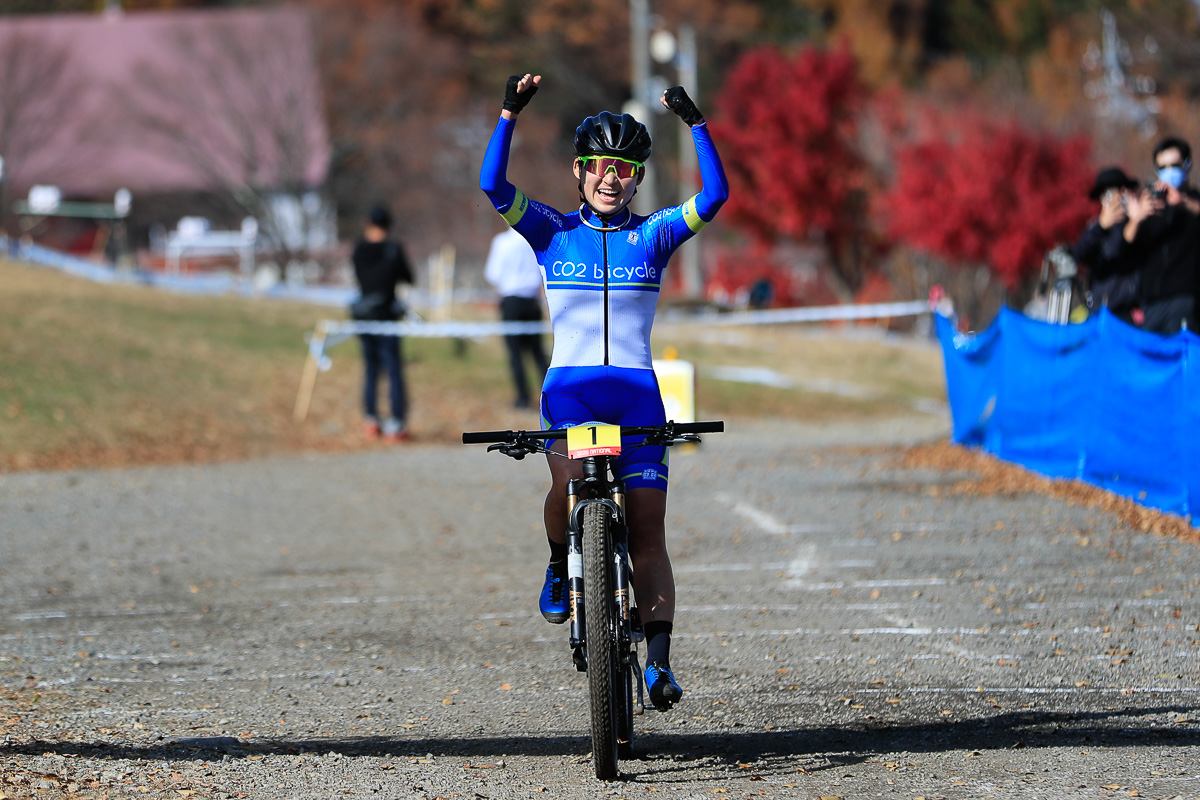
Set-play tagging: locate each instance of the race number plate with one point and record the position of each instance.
(593, 440)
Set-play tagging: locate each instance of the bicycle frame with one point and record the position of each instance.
(595, 488)
(596, 509)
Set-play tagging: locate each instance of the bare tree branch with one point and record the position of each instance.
(239, 107)
(40, 89)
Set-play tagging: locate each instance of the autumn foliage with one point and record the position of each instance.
(787, 127)
(977, 191)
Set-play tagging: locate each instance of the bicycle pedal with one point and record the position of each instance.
(636, 632)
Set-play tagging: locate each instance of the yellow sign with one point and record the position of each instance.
(677, 383)
(584, 441)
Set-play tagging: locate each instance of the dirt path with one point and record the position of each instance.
(364, 625)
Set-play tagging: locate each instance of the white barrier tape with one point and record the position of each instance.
(451, 330)
(808, 314)
(470, 330)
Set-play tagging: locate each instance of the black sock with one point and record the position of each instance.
(658, 642)
(558, 552)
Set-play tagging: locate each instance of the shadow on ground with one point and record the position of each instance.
(768, 751)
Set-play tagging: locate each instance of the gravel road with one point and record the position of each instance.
(365, 625)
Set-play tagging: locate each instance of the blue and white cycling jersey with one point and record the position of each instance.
(602, 280)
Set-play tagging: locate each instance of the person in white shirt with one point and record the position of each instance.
(513, 269)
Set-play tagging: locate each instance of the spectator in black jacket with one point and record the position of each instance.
(380, 264)
(1163, 236)
(1113, 280)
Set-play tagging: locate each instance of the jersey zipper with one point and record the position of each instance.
(604, 249)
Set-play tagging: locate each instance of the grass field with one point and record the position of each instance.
(98, 375)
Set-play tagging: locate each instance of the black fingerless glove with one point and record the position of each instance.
(679, 102)
(514, 101)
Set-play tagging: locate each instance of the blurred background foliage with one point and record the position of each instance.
(839, 121)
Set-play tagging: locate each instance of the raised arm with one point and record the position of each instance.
(493, 175)
(714, 185)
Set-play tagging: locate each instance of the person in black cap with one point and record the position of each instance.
(1113, 278)
(380, 264)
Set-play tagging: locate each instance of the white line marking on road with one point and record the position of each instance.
(895, 631)
(806, 561)
(1034, 690)
(120, 612)
(766, 522)
(900, 582)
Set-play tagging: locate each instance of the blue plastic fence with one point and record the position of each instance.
(1101, 401)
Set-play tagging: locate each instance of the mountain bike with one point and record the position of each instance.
(604, 629)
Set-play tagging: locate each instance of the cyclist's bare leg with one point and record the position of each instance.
(653, 579)
(654, 587)
(553, 600)
(561, 471)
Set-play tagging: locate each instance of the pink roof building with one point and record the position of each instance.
(162, 102)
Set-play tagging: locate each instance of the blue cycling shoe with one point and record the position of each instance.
(664, 691)
(553, 602)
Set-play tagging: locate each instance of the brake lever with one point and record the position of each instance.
(516, 450)
(674, 439)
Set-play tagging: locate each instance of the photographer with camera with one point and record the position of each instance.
(1162, 234)
(1114, 282)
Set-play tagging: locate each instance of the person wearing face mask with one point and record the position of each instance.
(603, 267)
(1162, 235)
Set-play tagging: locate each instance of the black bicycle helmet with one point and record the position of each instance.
(609, 134)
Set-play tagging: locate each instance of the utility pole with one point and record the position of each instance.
(688, 165)
(1124, 100)
(680, 52)
(3, 227)
(639, 106)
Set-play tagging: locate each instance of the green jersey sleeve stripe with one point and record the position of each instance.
(691, 216)
(517, 209)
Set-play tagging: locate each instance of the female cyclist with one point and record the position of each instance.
(603, 267)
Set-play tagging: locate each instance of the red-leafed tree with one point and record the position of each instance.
(976, 191)
(787, 126)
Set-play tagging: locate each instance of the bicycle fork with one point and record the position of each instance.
(575, 576)
(629, 627)
(629, 624)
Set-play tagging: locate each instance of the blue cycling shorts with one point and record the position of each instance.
(617, 396)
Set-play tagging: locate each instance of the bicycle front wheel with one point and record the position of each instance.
(600, 623)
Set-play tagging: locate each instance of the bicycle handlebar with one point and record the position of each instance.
(716, 426)
(488, 437)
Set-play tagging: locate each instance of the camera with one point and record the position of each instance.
(1113, 197)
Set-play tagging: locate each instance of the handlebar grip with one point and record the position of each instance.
(486, 437)
(717, 426)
